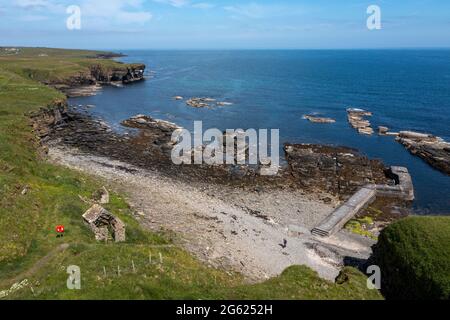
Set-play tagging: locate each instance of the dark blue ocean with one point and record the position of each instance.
(405, 89)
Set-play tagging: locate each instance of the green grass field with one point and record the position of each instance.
(28, 242)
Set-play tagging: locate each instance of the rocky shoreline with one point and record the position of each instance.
(338, 171)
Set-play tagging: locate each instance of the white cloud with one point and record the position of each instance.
(251, 10)
(254, 10)
(116, 11)
(33, 18)
(174, 3)
(203, 5)
(134, 17)
(32, 3)
(95, 12)
(186, 3)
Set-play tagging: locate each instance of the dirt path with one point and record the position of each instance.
(38, 265)
(257, 233)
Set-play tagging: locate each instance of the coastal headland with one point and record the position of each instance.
(241, 227)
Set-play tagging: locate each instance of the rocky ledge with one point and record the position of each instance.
(88, 83)
(336, 170)
(125, 73)
(356, 118)
(204, 102)
(434, 150)
(315, 119)
(141, 121)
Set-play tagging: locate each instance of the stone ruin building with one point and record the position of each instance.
(104, 224)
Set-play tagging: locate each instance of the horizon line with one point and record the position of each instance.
(233, 49)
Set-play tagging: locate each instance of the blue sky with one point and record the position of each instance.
(225, 24)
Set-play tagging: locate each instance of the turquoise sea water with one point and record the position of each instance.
(405, 89)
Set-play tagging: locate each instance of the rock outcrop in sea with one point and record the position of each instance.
(315, 119)
(434, 150)
(357, 119)
(205, 102)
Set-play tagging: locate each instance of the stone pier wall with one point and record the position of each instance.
(402, 190)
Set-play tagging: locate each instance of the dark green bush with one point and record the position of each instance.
(414, 257)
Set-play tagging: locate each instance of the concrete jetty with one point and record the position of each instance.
(402, 190)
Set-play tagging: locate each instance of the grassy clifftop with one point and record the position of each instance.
(36, 196)
(56, 66)
(50, 65)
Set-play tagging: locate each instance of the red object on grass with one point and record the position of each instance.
(60, 229)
